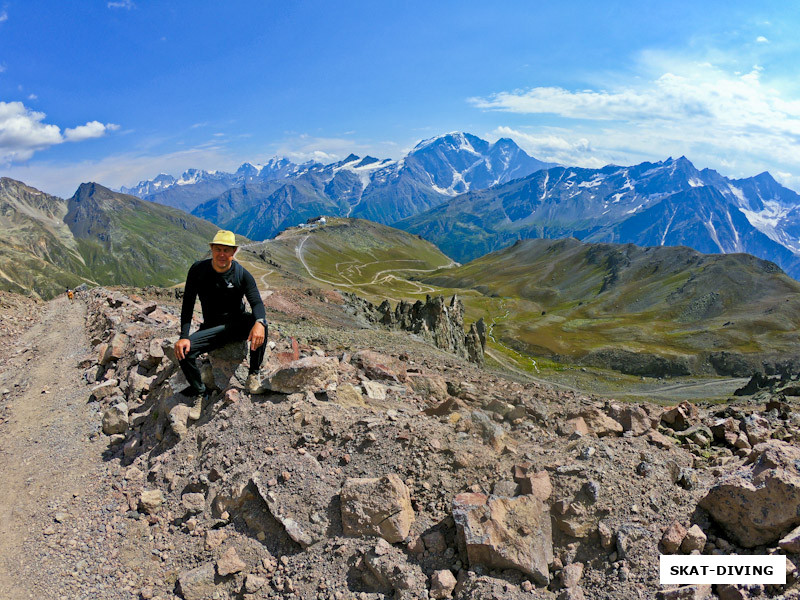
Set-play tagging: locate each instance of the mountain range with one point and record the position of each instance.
(654, 311)
(470, 197)
(258, 201)
(668, 203)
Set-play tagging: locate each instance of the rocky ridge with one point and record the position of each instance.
(365, 479)
(434, 320)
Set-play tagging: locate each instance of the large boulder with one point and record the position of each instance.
(380, 366)
(227, 366)
(506, 533)
(632, 418)
(599, 423)
(312, 374)
(430, 387)
(760, 502)
(283, 483)
(377, 506)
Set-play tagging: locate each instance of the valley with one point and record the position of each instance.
(375, 262)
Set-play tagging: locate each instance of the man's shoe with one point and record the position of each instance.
(253, 384)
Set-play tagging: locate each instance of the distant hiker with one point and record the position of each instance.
(70, 294)
(221, 283)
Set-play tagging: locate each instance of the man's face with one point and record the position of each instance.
(222, 257)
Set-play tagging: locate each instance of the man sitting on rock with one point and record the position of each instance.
(221, 283)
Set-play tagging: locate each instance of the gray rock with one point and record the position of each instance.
(686, 592)
(506, 533)
(194, 502)
(227, 365)
(627, 536)
(198, 584)
(312, 374)
(306, 520)
(377, 506)
(492, 433)
(115, 419)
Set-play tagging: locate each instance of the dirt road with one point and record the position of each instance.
(46, 458)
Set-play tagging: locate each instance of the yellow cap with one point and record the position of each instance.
(224, 238)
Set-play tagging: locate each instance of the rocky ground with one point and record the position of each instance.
(371, 465)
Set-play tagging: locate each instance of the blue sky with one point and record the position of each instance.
(118, 91)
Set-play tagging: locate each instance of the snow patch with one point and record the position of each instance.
(767, 221)
(713, 232)
(592, 183)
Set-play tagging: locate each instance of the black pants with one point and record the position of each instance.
(207, 339)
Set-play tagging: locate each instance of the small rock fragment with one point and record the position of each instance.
(150, 501)
(230, 563)
(442, 584)
(673, 537)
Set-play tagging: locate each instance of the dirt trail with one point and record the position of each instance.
(45, 452)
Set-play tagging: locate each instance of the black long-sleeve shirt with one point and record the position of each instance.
(221, 295)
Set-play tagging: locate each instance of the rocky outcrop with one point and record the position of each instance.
(434, 320)
(265, 489)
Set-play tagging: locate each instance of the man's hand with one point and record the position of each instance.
(182, 347)
(256, 337)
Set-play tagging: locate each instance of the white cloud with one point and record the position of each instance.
(92, 129)
(33, 97)
(23, 132)
(561, 147)
(126, 4)
(3, 16)
(715, 118)
(762, 40)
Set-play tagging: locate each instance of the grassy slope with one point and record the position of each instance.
(129, 241)
(38, 256)
(566, 298)
(353, 255)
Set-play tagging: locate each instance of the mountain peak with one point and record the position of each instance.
(765, 177)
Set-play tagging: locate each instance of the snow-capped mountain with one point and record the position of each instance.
(651, 204)
(151, 186)
(380, 190)
(196, 186)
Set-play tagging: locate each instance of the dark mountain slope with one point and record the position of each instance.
(125, 240)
